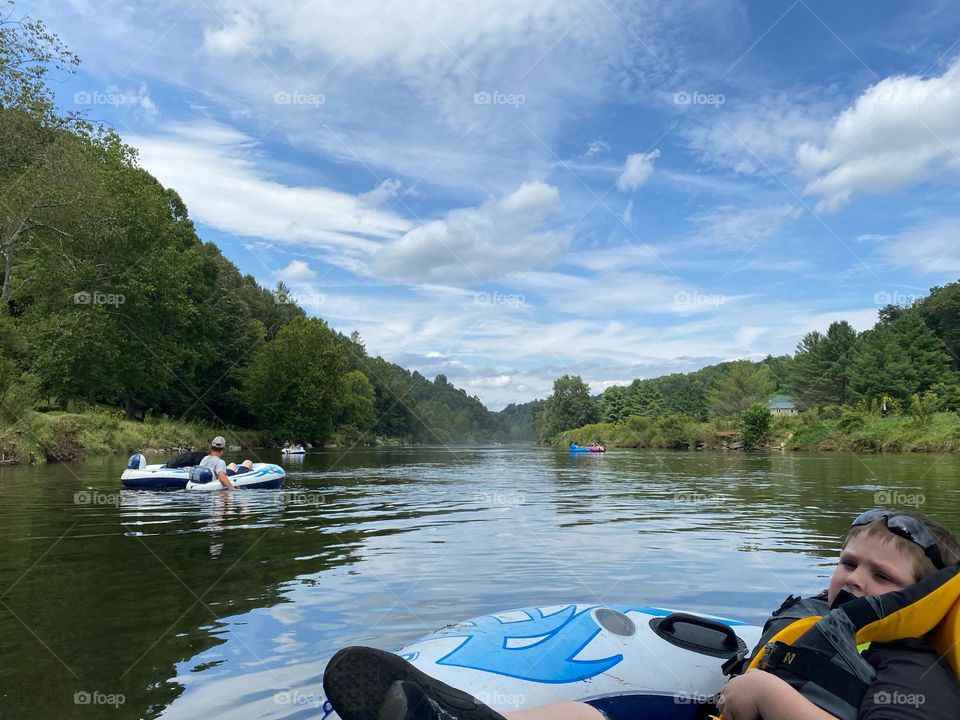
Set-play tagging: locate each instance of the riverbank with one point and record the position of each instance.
(67, 437)
(851, 430)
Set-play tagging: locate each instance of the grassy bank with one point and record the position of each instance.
(847, 430)
(66, 437)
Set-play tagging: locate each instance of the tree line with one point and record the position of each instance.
(110, 296)
(909, 360)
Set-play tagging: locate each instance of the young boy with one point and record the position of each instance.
(884, 552)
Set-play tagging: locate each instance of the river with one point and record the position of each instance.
(124, 604)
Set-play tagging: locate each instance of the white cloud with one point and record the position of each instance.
(638, 169)
(597, 147)
(761, 137)
(213, 167)
(930, 248)
(296, 272)
(900, 131)
(627, 216)
(742, 227)
(472, 245)
(387, 190)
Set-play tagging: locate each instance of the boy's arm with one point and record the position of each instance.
(759, 694)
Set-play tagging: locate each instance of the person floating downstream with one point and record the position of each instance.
(221, 470)
(880, 643)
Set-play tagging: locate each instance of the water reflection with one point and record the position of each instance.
(225, 603)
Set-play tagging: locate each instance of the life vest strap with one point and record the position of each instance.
(815, 667)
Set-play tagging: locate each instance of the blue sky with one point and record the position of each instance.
(506, 191)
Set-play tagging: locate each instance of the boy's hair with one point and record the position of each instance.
(922, 566)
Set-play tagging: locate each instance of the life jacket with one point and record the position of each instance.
(819, 655)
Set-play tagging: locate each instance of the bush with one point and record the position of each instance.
(923, 407)
(674, 432)
(755, 425)
(850, 419)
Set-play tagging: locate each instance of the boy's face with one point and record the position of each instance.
(869, 566)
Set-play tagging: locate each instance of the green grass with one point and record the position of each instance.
(64, 436)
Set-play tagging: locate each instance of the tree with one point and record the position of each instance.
(821, 368)
(612, 406)
(741, 386)
(644, 398)
(755, 425)
(294, 383)
(569, 406)
(689, 399)
(357, 408)
(941, 312)
(899, 359)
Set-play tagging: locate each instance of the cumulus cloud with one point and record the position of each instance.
(472, 245)
(296, 272)
(900, 131)
(637, 171)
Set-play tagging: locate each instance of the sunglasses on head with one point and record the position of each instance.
(906, 527)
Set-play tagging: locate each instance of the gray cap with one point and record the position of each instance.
(218, 442)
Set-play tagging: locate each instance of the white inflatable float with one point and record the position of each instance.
(629, 661)
(140, 476)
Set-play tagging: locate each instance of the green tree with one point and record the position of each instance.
(822, 366)
(569, 406)
(899, 358)
(941, 312)
(690, 399)
(741, 386)
(644, 398)
(294, 383)
(755, 425)
(358, 404)
(612, 406)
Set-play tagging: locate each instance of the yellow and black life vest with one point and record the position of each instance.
(820, 655)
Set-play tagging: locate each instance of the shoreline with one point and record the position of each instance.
(852, 431)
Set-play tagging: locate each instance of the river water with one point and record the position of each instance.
(124, 604)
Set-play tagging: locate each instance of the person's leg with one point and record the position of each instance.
(557, 711)
(407, 700)
(248, 464)
(232, 466)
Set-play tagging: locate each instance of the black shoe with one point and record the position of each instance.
(407, 701)
(358, 679)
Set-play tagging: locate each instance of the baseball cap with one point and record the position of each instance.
(218, 442)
